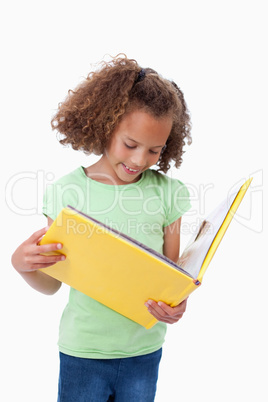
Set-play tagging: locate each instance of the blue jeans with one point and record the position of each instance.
(101, 380)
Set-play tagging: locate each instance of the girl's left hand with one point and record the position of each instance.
(163, 312)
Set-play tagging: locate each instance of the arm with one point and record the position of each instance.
(27, 260)
(161, 311)
(172, 237)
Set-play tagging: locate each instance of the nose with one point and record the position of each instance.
(138, 158)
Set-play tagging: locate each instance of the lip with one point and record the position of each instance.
(126, 169)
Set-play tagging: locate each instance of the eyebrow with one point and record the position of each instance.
(136, 142)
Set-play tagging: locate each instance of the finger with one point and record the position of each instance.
(163, 313)
(38, 234)
(155, 309)
(40, 265)
(44, 261)
(48, 259)
(166, 308)
(180, 309)
(153, 312)
(160, 317)
(47, 248)
(182, 306)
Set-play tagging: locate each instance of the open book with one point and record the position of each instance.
(123, 274)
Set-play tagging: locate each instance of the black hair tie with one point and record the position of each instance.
(141, 76)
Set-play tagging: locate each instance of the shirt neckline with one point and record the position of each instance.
(111, 186)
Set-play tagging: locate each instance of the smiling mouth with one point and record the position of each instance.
(130, 170)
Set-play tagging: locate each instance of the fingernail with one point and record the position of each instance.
(147, 305)
(63, 258)
(59, 246)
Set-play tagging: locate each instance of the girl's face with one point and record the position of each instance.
(135, 146)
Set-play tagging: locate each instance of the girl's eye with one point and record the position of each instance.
(129, 147)
(134, 146)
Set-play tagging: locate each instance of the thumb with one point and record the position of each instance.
(37, 236)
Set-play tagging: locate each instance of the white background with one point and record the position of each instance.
(216, 51)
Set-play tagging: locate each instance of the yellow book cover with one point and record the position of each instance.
(123, 274)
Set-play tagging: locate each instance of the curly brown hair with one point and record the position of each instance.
(89, 115)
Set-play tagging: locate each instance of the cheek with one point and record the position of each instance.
(116, 151)
(122, 152)
(154, 159)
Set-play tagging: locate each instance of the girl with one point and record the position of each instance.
(134, 119)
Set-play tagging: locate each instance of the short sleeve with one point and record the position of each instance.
(49, 208)
(177, 201)
(68, 190)
(58, 195)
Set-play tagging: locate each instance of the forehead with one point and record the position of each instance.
(144, 128)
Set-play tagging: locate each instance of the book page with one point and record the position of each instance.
(195, 252)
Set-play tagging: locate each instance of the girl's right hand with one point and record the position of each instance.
(28, 258)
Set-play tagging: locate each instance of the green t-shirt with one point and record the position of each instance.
(140, 210)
